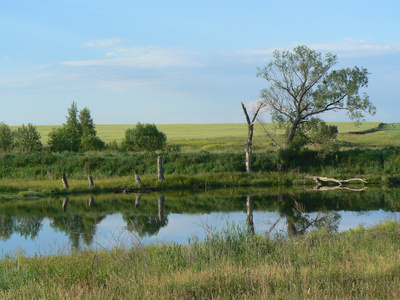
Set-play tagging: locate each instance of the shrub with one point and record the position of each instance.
(144, 137)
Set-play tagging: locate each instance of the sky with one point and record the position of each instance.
(169, 62)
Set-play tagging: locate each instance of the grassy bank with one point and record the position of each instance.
(38, 174)
(229, 264)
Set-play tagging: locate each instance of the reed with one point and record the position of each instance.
(232, 263)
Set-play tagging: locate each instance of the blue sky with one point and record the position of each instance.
(168, 62)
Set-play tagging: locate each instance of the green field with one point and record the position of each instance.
(180, 132)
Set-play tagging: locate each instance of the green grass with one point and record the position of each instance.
(230, 264)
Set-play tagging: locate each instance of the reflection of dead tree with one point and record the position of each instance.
(161, 200)
(273, 226)
(250, 221)
(299, 222)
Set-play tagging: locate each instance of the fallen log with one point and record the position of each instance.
(320, 180)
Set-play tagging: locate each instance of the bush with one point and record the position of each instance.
(144, 137)
(6, 138)
(92, 143)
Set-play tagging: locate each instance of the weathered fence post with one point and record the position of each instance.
(160, 168)
(91, 183)
(137, 178)
(161, 200)
(64, 181)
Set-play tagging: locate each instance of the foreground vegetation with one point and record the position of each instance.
(229, 264)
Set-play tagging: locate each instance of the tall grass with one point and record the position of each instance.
(230, 264)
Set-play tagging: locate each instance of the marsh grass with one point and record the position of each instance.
(231, 263)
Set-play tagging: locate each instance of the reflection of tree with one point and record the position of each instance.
(77, 227)
(29, 226)
(147, 225)
(7, 227)
(299, 221)
(26, 226)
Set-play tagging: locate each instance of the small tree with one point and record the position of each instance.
(6, 138)
(27, 139)
(86, 123)
(144, 137)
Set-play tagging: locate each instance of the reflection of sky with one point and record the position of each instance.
(180, 228)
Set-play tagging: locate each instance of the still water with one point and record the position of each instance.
(50, 225)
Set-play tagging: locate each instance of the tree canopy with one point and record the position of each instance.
(302, 86)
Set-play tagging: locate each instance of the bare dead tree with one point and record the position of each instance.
(250, 131)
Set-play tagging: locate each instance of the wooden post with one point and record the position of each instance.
(160, 169)
(137, 178)
(91, 183)
(64, 181)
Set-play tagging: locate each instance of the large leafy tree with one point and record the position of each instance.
(302, 86)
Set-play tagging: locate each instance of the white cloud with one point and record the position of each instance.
(143, 57)
(358, 47)
(101, 43)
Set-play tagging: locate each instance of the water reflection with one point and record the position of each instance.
(297, 211)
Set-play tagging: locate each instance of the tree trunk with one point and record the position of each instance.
(64, 181)
(160, 169)
(292, 132)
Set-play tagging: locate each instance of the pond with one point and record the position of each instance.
(53, 225)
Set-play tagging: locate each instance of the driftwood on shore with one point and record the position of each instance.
(324, 180)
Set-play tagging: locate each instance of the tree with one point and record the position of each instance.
(302, 87)
(89, 140)
(144, 137)
(86, 122)
(77, 134)
(27, 139)
(6, 138)
(250, 130)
